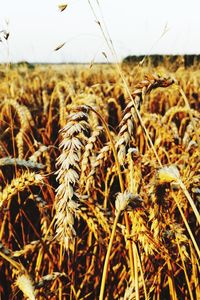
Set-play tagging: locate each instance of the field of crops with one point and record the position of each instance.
(100, 182)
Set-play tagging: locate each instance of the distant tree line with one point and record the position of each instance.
(155, 60)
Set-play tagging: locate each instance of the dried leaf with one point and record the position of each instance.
(104, 54)
(91, 64)
(59, 47)
(62, 7)
(5, 35)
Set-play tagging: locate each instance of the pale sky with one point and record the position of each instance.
(37, 27)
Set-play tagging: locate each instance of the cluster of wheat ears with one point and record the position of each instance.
(99, 185)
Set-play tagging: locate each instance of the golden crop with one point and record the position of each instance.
(100, 184)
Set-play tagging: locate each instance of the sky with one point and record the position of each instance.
(139, 27)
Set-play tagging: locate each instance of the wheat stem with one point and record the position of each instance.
(137, 293)
(105, 268)
(190, 200)
(187, 227)
(190, 115)
(121, 187)
(185, 271)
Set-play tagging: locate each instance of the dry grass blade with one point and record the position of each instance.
(59, 47)
(62, 7)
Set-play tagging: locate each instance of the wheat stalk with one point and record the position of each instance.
(68, 174)
(19, 184)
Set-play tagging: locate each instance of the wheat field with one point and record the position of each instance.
(100, 182)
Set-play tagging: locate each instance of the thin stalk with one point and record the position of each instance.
(105, 268)
(130, 249)
(142, 274)
(60, 255)
(172, 289)
(190, 200)
(39, 262)
(195, 273)
(52, 259)
(49, 228)
(190, 115)
(185, 271)
(49, 120)
(158, 286)
(60, 290)
(2, 230)
(187, 227)
(112, 146)
(137, 292)
(73, 262)
(60, 287)
(11, 261)
(89, 270)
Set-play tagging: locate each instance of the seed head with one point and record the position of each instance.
(168, 174)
